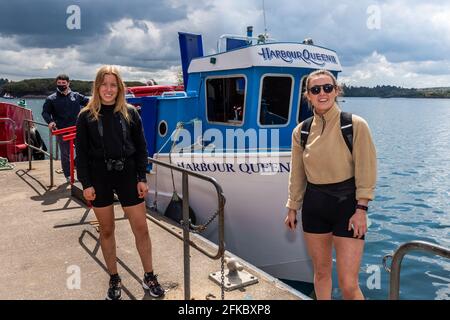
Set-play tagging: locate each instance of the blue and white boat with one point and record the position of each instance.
(234, 122)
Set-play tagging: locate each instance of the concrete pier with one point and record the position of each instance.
(50, 250)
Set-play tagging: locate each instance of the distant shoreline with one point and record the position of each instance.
(396, 92)
(395, 97)
(341, 98)
(41, 88)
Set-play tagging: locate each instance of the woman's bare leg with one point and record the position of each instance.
(320, 249)
(138, 222)
(105, 217)
(349, 253)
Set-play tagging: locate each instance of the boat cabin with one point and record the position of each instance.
(249, 86)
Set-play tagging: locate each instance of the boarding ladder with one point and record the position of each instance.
(397, 258)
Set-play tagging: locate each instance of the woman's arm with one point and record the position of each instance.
(365, 160)
(297, 176)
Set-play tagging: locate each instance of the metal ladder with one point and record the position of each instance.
(397, 258)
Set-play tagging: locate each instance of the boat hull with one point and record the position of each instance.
(255, 188)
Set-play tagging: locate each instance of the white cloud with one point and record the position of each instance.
(26, 61)
(410, 49)
(128, 37)
(19, 63)
(376, 69)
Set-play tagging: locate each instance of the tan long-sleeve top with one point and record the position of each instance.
(327, 159)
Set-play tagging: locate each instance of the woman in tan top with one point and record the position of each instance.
(332, 184)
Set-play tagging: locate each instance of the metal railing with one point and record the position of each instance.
(174, 94)
(14, 130)
(397, 258)
(259, 39)
(26, 129)
(186, 221)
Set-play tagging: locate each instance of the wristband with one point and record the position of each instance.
(362, 207)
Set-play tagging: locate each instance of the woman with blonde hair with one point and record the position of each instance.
(332, 179)
(112, 157)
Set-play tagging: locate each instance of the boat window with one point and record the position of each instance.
(275, 100)
(225, 99)
(304, 110)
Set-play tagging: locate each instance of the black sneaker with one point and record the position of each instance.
(154, 288)
(115, 289)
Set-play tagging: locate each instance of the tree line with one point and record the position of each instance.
(395, 92)
(45, 87)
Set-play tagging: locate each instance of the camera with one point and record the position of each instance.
(116, 165)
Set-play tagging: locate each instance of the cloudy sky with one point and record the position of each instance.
(397, 42)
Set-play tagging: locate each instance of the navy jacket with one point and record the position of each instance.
(63, 110)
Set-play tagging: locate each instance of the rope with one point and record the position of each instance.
(4, 165)
(180, 125)
(173, 136)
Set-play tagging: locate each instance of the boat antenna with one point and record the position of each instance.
(264, 14)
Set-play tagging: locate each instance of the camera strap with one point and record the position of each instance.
(124, 134)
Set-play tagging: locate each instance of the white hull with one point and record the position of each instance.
(254, 209)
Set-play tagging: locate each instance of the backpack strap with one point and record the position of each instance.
(123, 124)
(304, 133)
(347, 129)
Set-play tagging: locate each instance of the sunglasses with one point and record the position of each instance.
(327, 88)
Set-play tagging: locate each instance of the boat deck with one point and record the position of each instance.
(47, 238)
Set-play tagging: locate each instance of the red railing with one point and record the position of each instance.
(69, 134)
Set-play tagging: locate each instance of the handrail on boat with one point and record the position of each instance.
(14, 130)
(174, 94)
(186, 221)
(397, 257)
(241, 37)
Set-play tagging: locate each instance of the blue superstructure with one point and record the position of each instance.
(249, 87)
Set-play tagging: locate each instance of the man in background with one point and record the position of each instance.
(60, 110)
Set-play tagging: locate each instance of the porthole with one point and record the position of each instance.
(162, 128)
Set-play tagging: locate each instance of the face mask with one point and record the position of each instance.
(61, 88)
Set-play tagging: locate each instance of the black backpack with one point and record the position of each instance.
(346, 130)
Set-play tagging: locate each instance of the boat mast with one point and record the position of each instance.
(262, 38)
(264, 14)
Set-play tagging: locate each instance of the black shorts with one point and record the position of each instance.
(323, 212)
(123, 183)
